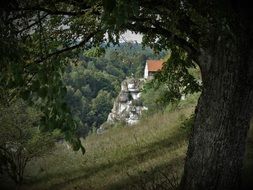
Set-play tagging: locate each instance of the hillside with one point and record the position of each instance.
(93, 81)
(62, 63)
(121, 157)
(149, 155)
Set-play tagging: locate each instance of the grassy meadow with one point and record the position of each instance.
(120, 158)
(149, 155)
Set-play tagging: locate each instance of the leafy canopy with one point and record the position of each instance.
(21, 140)
(39, 37)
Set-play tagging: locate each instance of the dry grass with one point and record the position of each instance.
(147, 156)
(115, 159)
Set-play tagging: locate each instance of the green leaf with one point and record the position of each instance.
(43, 91)
(25, 94)
(109, 5)
(35, 85)
(64, 107)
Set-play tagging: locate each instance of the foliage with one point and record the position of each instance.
(21, 140)
(197, 27)
(178, 77)
(36, 41)
(151, 96)
(93, 82)
(94, 52)
(133, 56)
(175, 74)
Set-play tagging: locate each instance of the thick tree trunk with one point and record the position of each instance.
(216, 147)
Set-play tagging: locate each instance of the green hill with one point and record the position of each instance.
(149, 155)
(121, 157)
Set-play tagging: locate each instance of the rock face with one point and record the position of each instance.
(128, 106)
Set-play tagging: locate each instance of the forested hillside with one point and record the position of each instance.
(93, 82)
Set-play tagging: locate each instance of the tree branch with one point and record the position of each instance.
(33, 24)
(193, 52)
(51, 12)
(83, 42)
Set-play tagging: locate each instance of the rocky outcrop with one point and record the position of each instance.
(128, 106)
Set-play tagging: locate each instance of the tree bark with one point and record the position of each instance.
(216, 147)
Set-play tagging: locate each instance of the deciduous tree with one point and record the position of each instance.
(217, 36)
(21, 140)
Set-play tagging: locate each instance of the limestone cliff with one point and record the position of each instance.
(128, 106)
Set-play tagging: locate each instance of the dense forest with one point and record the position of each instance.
(93, 82)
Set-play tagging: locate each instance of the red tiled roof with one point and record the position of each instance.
(154, 65)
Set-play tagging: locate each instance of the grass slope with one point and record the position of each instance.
(149, 155)
(120, 158)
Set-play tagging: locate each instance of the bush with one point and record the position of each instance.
(21, 139)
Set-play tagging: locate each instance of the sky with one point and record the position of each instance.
(130, 36)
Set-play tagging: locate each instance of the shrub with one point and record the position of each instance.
(21, 139)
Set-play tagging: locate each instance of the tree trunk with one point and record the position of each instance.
(216, 147)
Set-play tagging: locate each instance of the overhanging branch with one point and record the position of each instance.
(51, 12)
(138, 27)
(83, 42)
